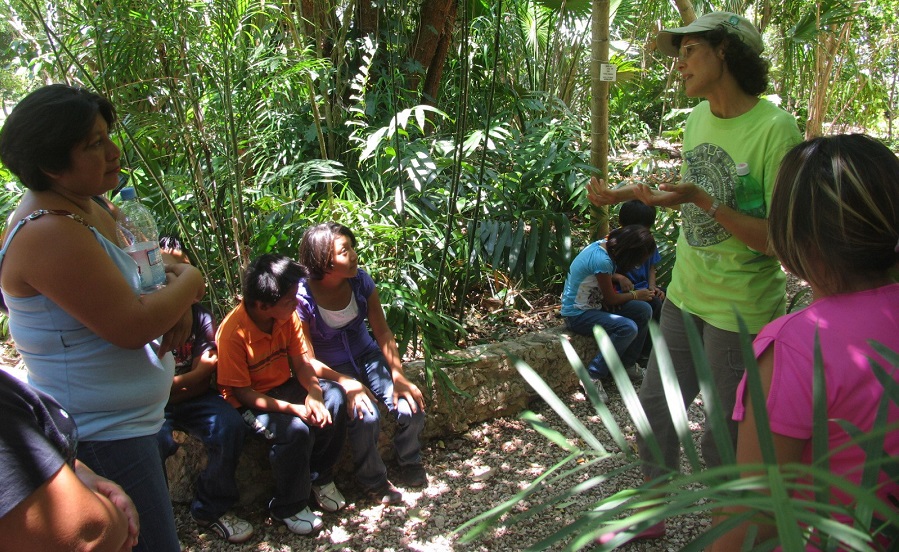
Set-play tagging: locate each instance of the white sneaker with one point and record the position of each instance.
(328, 497)
(303, 522)
(603, 396)
(229, 527)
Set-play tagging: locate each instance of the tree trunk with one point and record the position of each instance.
(828, 65)
(685, 8)
(599, 151)
(433, 37)
(599, 108)
(318, 24)
(368, 17)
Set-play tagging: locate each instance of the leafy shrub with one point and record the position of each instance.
(703, 490)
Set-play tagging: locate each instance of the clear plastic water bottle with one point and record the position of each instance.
(749, 193)
(140, 239)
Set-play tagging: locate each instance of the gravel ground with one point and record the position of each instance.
(469, 474)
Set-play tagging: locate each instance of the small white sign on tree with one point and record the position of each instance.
(607, 72)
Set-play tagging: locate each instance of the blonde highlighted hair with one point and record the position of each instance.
(835, 211)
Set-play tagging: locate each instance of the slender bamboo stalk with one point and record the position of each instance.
(599, 109)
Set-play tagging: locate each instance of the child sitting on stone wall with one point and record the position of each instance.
(643, 276)
(589, 298)
(342, 315)
(265, 372)
(196, 408)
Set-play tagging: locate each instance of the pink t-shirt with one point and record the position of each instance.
(845, 323)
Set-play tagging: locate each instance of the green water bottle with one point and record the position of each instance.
(749, 193)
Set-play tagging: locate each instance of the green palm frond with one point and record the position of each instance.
(771, 491)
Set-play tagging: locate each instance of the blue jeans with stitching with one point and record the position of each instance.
(627, 327)
(222, 430)
(135, 465)
(300, 455)
(374, 373)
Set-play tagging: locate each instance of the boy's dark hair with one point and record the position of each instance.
(268, 277)
(43, 128)
(317, 247)
(636, 212)
(748, 67)
(171, 243)
(630, 246)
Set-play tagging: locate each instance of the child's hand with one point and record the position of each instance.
(317, 413)
(300, 411)
(403, 388)
(623, 282)
(645, 294)
(359, 399)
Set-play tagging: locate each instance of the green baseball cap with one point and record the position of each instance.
(733, 23)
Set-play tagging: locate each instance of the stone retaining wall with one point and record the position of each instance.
(484, 372)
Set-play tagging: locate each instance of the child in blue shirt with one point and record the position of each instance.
(589, 297)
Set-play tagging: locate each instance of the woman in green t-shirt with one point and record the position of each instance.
(719, 268)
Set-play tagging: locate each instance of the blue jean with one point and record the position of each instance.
(371, 370)
(627, 328)
(135, 465)
(221, 429)
(724, 353)
(300, 455)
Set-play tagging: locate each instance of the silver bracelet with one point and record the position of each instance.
(713, 209)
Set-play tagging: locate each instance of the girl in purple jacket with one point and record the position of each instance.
(334, 303)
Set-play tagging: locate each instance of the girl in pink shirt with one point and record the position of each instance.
(835, 223)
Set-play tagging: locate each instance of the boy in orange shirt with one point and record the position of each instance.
(264, 371)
